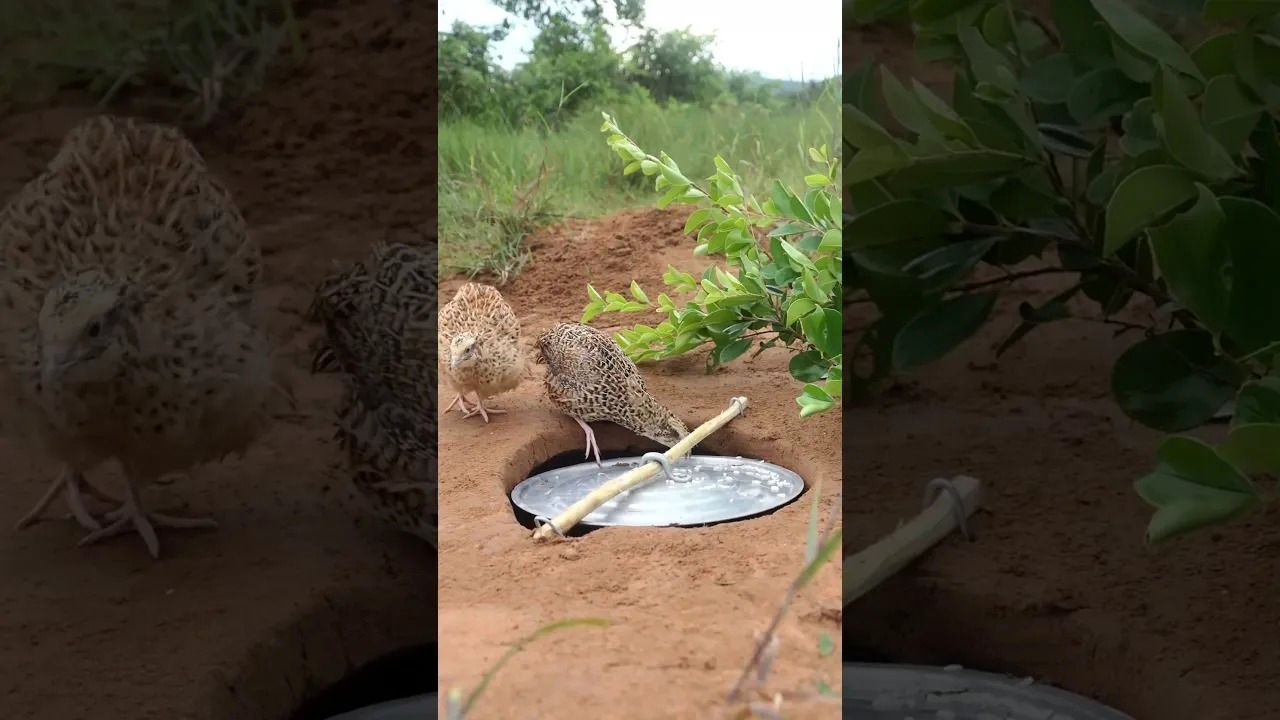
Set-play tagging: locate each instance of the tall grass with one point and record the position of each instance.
(499, 184)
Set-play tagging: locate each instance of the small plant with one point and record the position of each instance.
(783, 283)
(458, 706)
(1099, 148)
(821, 544)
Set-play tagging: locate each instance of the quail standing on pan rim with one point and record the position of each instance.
(590, 379)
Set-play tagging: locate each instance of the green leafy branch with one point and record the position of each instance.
(780, 286)
(1096, 146)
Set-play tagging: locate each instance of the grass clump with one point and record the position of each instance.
(192, 57)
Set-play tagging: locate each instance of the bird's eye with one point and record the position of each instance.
(95, 329)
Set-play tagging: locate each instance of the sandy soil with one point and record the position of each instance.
(1058, 584)
(297, 587)
(683, 602)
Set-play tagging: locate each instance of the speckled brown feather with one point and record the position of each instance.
(379, 319)
(590, 378)
(480, 310)
(131, 206)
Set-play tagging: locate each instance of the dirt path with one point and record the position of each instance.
(296, 588)
(1058, 584)
(683, 602)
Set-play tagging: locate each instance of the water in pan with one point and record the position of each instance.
(705, 489)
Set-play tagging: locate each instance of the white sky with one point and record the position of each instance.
(792, 40)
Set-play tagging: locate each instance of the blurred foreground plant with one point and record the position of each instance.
(1099, 148)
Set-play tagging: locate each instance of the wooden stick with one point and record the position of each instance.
(867, 569)
(634, 477)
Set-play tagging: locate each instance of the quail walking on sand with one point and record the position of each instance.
(590, 379)
(128, 318)
(482, 337)
(379, 319)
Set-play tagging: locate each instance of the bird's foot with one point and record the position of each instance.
(483, 411)
(592, 445)
(462, 406)
(129, 515)
(75, 487)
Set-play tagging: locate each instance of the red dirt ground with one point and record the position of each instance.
(1058, 584)
(296, 588)
(683, 602)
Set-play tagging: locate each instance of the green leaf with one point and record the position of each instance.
(949, 264)
(1252, 230)
(593, 309)
(816, 180)
(1192, 487)
(1185, 137)
(1229, 113)
(939, 329)
(1259, 402)
(811, 288)
(1222, 10)
(1143, 198)
(786, 202)
(906, 107)
(822, 329)
(797, 308)
(943, 118)
(798, 259)
(988, 65)
(1173, 382)
(895, 221)
(1193, 257)
(1101, 94)
(1145, 36)
(593, 294)
(1254, 448)
(832, 241)
(807, 366)
(1218, 54)
(1049, 79)
(732, 350)
(1133, 64)
(954, 169)
(1084, 35)
(638, 294)
(862, 132)
(813, 400)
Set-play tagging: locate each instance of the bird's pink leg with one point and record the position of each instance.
(481, 409)
(592, 445)
(74, 484)
(462, 406)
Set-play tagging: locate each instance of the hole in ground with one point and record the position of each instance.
(337, 643)
(565, 449)
(401, 674)
(908, 621)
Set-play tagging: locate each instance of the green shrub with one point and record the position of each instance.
(783, 285)
(1102, 149)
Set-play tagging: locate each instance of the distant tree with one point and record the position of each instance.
(570, 64)
(470, 81)
(544, 12)
(676, 65)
